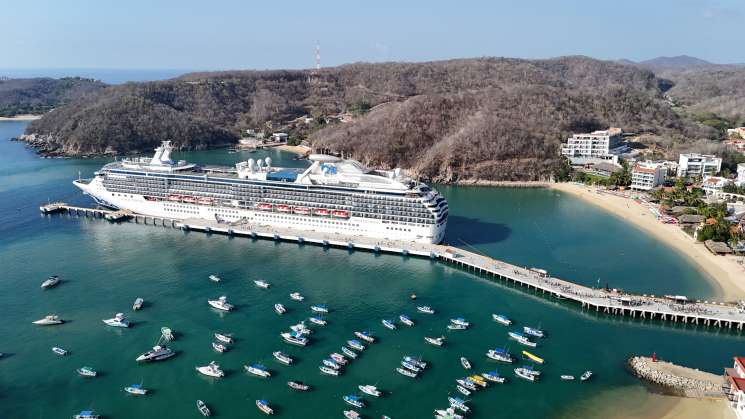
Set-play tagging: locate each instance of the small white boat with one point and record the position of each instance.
(365, 335)
(49, 320)
(460, 321)
(348, 352)
(356, 345)
(370, 389)
(167, 334)
(525, 374)
(158, 353)
(294, 338)
(567, 377)
(448, 413)
(338, 358)
(211, 370)
(500, 355)
(456, 327)
(411, 367)
(224, 338)
(351, 414)
(408, 373)
(425, 310)
(301, 328)
(388, 324)
(499, 318)
(86, 414)
(354, 400)
(219, 347)
(258, 370)
(328, 371)
(467, 384)
(282, 357)
(263, 405)
(459, 404)
(203, 409)
(416, 361)
(435, 341)
(297, 296)
(585, 376)
(465, 363)
(221, 303)
(319, 308)
(522, 339)
(331, 364)
(59, 351)
(533, 332)
(117, 321)
(262, 284)
(463, 390)
(406, 320)
(297, 385)
(215, 278)
(50, 282)
(138, 304)
(87, 372)
(493, 376)
(280, 309)
(136, 389)
(317, 320)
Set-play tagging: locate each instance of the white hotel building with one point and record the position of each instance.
(647, 175)
(734, 386)
(596, 147)
(698, 165)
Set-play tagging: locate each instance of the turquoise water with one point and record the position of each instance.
(106, 266)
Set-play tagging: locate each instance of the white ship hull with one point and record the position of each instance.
(353, 226)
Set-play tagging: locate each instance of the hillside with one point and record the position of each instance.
(39, 95)
(677, 63)
(491, 118)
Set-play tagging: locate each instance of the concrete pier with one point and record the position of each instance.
(610, 302)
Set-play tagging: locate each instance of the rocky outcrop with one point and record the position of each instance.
(675, 379)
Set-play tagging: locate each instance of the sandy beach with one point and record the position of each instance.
(727, 276)
(297, 149)
(25, 117)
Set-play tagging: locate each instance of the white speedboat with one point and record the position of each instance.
(138, 304)
(370, 389)
(258, 370)
(356, 345)
(219, 347)
(87, 372)
(211, 370)
(262, 284)
(49, 320)
(317, 320)
(500, 318)
(425, 310)
(319, 308)
(158, 353)
(388, 324)
(365, 335)
(459, 404)
(297, 296)
(467, 384)
(203, 409)
(282, 357)
(331, 364)
(567, 377)
(411, 367)
(416, 361)
(408, 373)
(338, 358)
(348, 352)
(463, 390)
(525, 374)
(328, 371)
(351, 414)
(354, 400)
(263, 405)
(167, 334)
(456, 327)
(493, 376)
(465, 363)
(117, 321)
(585, 376)
(86, 414)
(448, 413)
(297, 385)
(533, 331)
(280, 309)
(136, 389)
(215, 278)
(50, 282)
(406, 320)
(59, 351)
(301, 328)
(522, 339)
(498, 354)
(435, 341)
(294, 338)
(224, 337)
(460, 321)
(221, 303)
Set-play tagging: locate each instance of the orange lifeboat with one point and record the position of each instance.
(189, 199)
(322, 212)
(264, 206)
(205, 201)
(302, 210)
(284, 208)
(175, 198)
(339, 214)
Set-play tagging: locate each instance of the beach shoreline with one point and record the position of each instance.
(300, 150)
(723, 272)
(23, 117)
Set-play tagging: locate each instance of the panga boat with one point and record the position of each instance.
(354, 400)
(211, 370)
(370, 389)
(533, 331)
(221, 303)
(331, 364)
(356, 345)
(408, 373)
(280, 309)
(435, 341)
(459, 404)
(49, 320)
(460, 321)
(493, 376)
(466, 383)
(319, 308)
(585, 376)
(158, 353)
(522, 339)
(463, 390)
(215, 278)
(317, 320)
(499, 318)
(388, 324)
(87, 372)
(448, 413)
(297, 385)
(532, 357)
(263, 405)
(338, 358)
(224, 338)
(136, 389)
(406, 320)
(526, 373)
(138, 304)
(219, 347)
(282, 357)
(167, 334)
(365, 335)
(203, 409)
(478, 380)
(416, 361)
(411, 367)
(351, 414)
(499, 355)
(59, 351)
(117, 321)
(86, 414)
(262, 284)
(567, 377)
(348, 352)
(425, 310)
(465, 363)
(456, 327)
(258, 370)
(294, 338)
(297, 296)
(328, 371)
(50, 282)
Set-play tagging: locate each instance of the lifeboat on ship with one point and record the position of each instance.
(150, 198)
(321, 212)
(302, 210)
(174, 198)
(264, 206)
(340, 214)
(284, 208)
(205, 201)
(189, 199)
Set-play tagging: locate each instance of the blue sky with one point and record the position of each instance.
(218, 34)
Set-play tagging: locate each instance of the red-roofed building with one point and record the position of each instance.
(734, 386)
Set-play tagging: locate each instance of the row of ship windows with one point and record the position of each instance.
(283, 217)
(181, 211)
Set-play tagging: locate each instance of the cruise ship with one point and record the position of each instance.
(333, 195)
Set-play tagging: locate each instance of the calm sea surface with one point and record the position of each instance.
(106, 266)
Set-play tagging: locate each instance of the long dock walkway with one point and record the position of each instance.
(611, 302)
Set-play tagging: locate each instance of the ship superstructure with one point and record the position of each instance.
(332, 195)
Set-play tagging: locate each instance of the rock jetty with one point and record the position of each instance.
(676, 379)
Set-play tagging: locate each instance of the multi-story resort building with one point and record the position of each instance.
(741, 174)
(596, 147)
(713, 184)
(647, 175)
(734, 386)
(698, 165)
(332, 195)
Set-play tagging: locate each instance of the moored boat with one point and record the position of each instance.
(406, 320)
(59, 351)
(408, 373)
(585, 376)
(411, 367)
(86, 414)
(460, 321)
(463, 390)
(263, 405)
(167, 334)
(215, 278)
(261, 284)
(466, 383)
(498, 354)
(525, 374)
(425, 309)
(348, 352)
(522, 339)
(282, 357)
(158, 353)
(370, 389)
(338, 358)
(49, 320)
(493, 376)
(317, 320)
(416, 361)
(533, 357)
(138, 304)
(500, 318)
(87, 372)
(356, 345)
(224, 337)
(331, 364)
(533, 331)
(319, 308)
(435, 341)
(465, 363)
(297, 296)
(388, 324)
(365, 335)
(219, 347)
(328, 371)
(294, 338)
(351, 414)
(258, 370)
(459, 404)
(448, 413)
(136, 389)
(477, 379)
(117, 321)
(354, 400)
(221, 303)
(456, 327)
(280, 309)
(203, 409)
(211, 370)
(51, 282)
(297, 385)
(567, 377)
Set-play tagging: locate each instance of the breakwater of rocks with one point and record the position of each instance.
(676, 379)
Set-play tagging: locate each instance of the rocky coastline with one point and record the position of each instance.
(675, 379)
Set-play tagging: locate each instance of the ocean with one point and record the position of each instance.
(106, 266)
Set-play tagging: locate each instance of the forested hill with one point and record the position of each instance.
(39, 95)
(490, 118)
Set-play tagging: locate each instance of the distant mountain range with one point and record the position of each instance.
(677, 63)
(41, 94)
